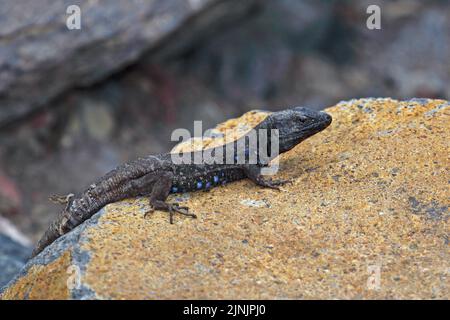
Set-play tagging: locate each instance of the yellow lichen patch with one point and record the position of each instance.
(42, 282)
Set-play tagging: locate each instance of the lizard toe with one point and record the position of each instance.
(147, 212)
(183, 210)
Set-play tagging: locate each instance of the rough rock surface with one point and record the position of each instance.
(40, 57)
(365, 216)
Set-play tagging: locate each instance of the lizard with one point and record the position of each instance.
(157, 176)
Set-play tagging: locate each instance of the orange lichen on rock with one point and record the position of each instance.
(42, 282)
(365, 216)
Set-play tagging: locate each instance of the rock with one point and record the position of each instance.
(13, 256)
(10, 196)
(10, 230)
(255, 62)
(15, 248)
(40, 58)
(365, 216)
(412, 67)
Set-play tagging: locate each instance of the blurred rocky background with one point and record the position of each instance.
(74, 104)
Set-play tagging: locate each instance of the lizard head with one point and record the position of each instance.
(296, 124)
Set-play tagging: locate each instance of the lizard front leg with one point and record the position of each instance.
(253, 172)
(158, 196)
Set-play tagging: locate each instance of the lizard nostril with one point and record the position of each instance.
(326, 117)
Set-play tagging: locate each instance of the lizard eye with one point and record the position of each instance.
(302, 118)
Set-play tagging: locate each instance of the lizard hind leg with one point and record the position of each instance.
(66, 199)
(171, 208)
(158, 196)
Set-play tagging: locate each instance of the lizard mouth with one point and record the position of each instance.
(319, 123)
(322, 121)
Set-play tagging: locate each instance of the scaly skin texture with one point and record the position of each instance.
(157, 175)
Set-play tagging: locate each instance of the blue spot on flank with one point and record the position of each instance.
(208, 185)
(223, 174)
(247, 152)
(174, 189)
(216, 179)
(199, 185)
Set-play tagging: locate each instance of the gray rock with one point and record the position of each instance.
(80, 257)
(412, 58)
(12, 258)
(40, 58)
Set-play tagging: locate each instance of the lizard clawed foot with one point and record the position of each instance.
(273, 184)
(151, 210)
(175, 207)
(171, 208)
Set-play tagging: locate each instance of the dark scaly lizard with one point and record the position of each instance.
(157, 175)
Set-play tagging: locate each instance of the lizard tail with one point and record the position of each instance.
(48, 237)
(59, 226)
